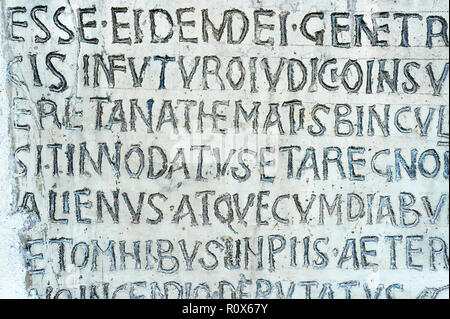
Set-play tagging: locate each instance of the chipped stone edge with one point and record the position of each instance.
(12, 263)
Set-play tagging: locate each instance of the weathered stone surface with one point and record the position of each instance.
(235, 149)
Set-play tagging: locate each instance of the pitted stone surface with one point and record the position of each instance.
(235, 149)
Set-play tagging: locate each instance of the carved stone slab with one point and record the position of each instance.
(224, 149)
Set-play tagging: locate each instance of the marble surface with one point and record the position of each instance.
(235, 149)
